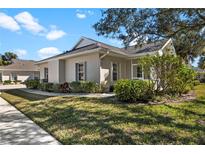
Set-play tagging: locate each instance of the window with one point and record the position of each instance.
(46, 73)
(80, 71)
(0, 77)
(114, 72)
(137, 71)
(13, 77)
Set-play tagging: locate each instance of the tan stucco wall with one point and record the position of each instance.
(93, 67)
(41, 68)
(105, 69)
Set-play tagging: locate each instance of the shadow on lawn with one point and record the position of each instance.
(25, 95)
(85, 127)
(134, 125)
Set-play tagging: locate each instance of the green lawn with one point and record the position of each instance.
(99, 121)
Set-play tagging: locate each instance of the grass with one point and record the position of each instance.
(100, 121)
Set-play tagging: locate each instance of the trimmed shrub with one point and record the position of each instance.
(183, 81)
(46, 87)
(6, 82)
(33, 84)
(57, 88)
(131, 90)
(49, 87)
(17, 81)
(75, 87)
(86, 87)
(196, 82)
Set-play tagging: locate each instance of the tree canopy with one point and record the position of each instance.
(7, 57)
(186, 27)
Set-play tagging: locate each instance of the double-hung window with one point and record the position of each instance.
(115, 71)
(46, 73)
(13, 76)
(81, 71)
(137, 71)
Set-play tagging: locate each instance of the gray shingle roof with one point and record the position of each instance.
(146, 48)
(28, 65)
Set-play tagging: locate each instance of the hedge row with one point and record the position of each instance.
(73, 87)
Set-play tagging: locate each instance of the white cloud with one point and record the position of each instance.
(48, 52)
(8, 22)
(81, 15)
(55, 34)
(21, 53)
(29, 22)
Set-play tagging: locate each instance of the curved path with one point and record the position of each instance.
(16, 128)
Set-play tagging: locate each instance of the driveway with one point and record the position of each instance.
(16, 128)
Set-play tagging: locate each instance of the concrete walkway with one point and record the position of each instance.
(94, 95)
(16, 128)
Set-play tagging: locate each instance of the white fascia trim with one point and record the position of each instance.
(24, 70)
(170, 40)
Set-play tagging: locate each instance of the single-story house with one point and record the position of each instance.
(19, 70)
(95, 61)
(200, 73)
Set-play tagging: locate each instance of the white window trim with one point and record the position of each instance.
(134, 78)
(83, 71)
(46, 73)
(118, 71)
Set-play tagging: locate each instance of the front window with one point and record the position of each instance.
(114, 72)
(13, 77)
(137, 71)
(0, 77)
(46, 73)
(80, 73)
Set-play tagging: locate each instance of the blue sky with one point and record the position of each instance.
(40, 33)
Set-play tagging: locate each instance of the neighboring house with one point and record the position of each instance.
(200, 73)
(99, 62)
(19, 70)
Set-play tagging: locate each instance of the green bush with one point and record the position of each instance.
(183, 82)
(56, 88)
(17, 81)
(85, 87)
(131, 90)
(49, 87)
(7, 82)
(33, 84)
(196, 82)
(46, 87)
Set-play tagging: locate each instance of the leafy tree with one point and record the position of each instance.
(201, 63)
(169, 74)
(185, 26)
(7, 57)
